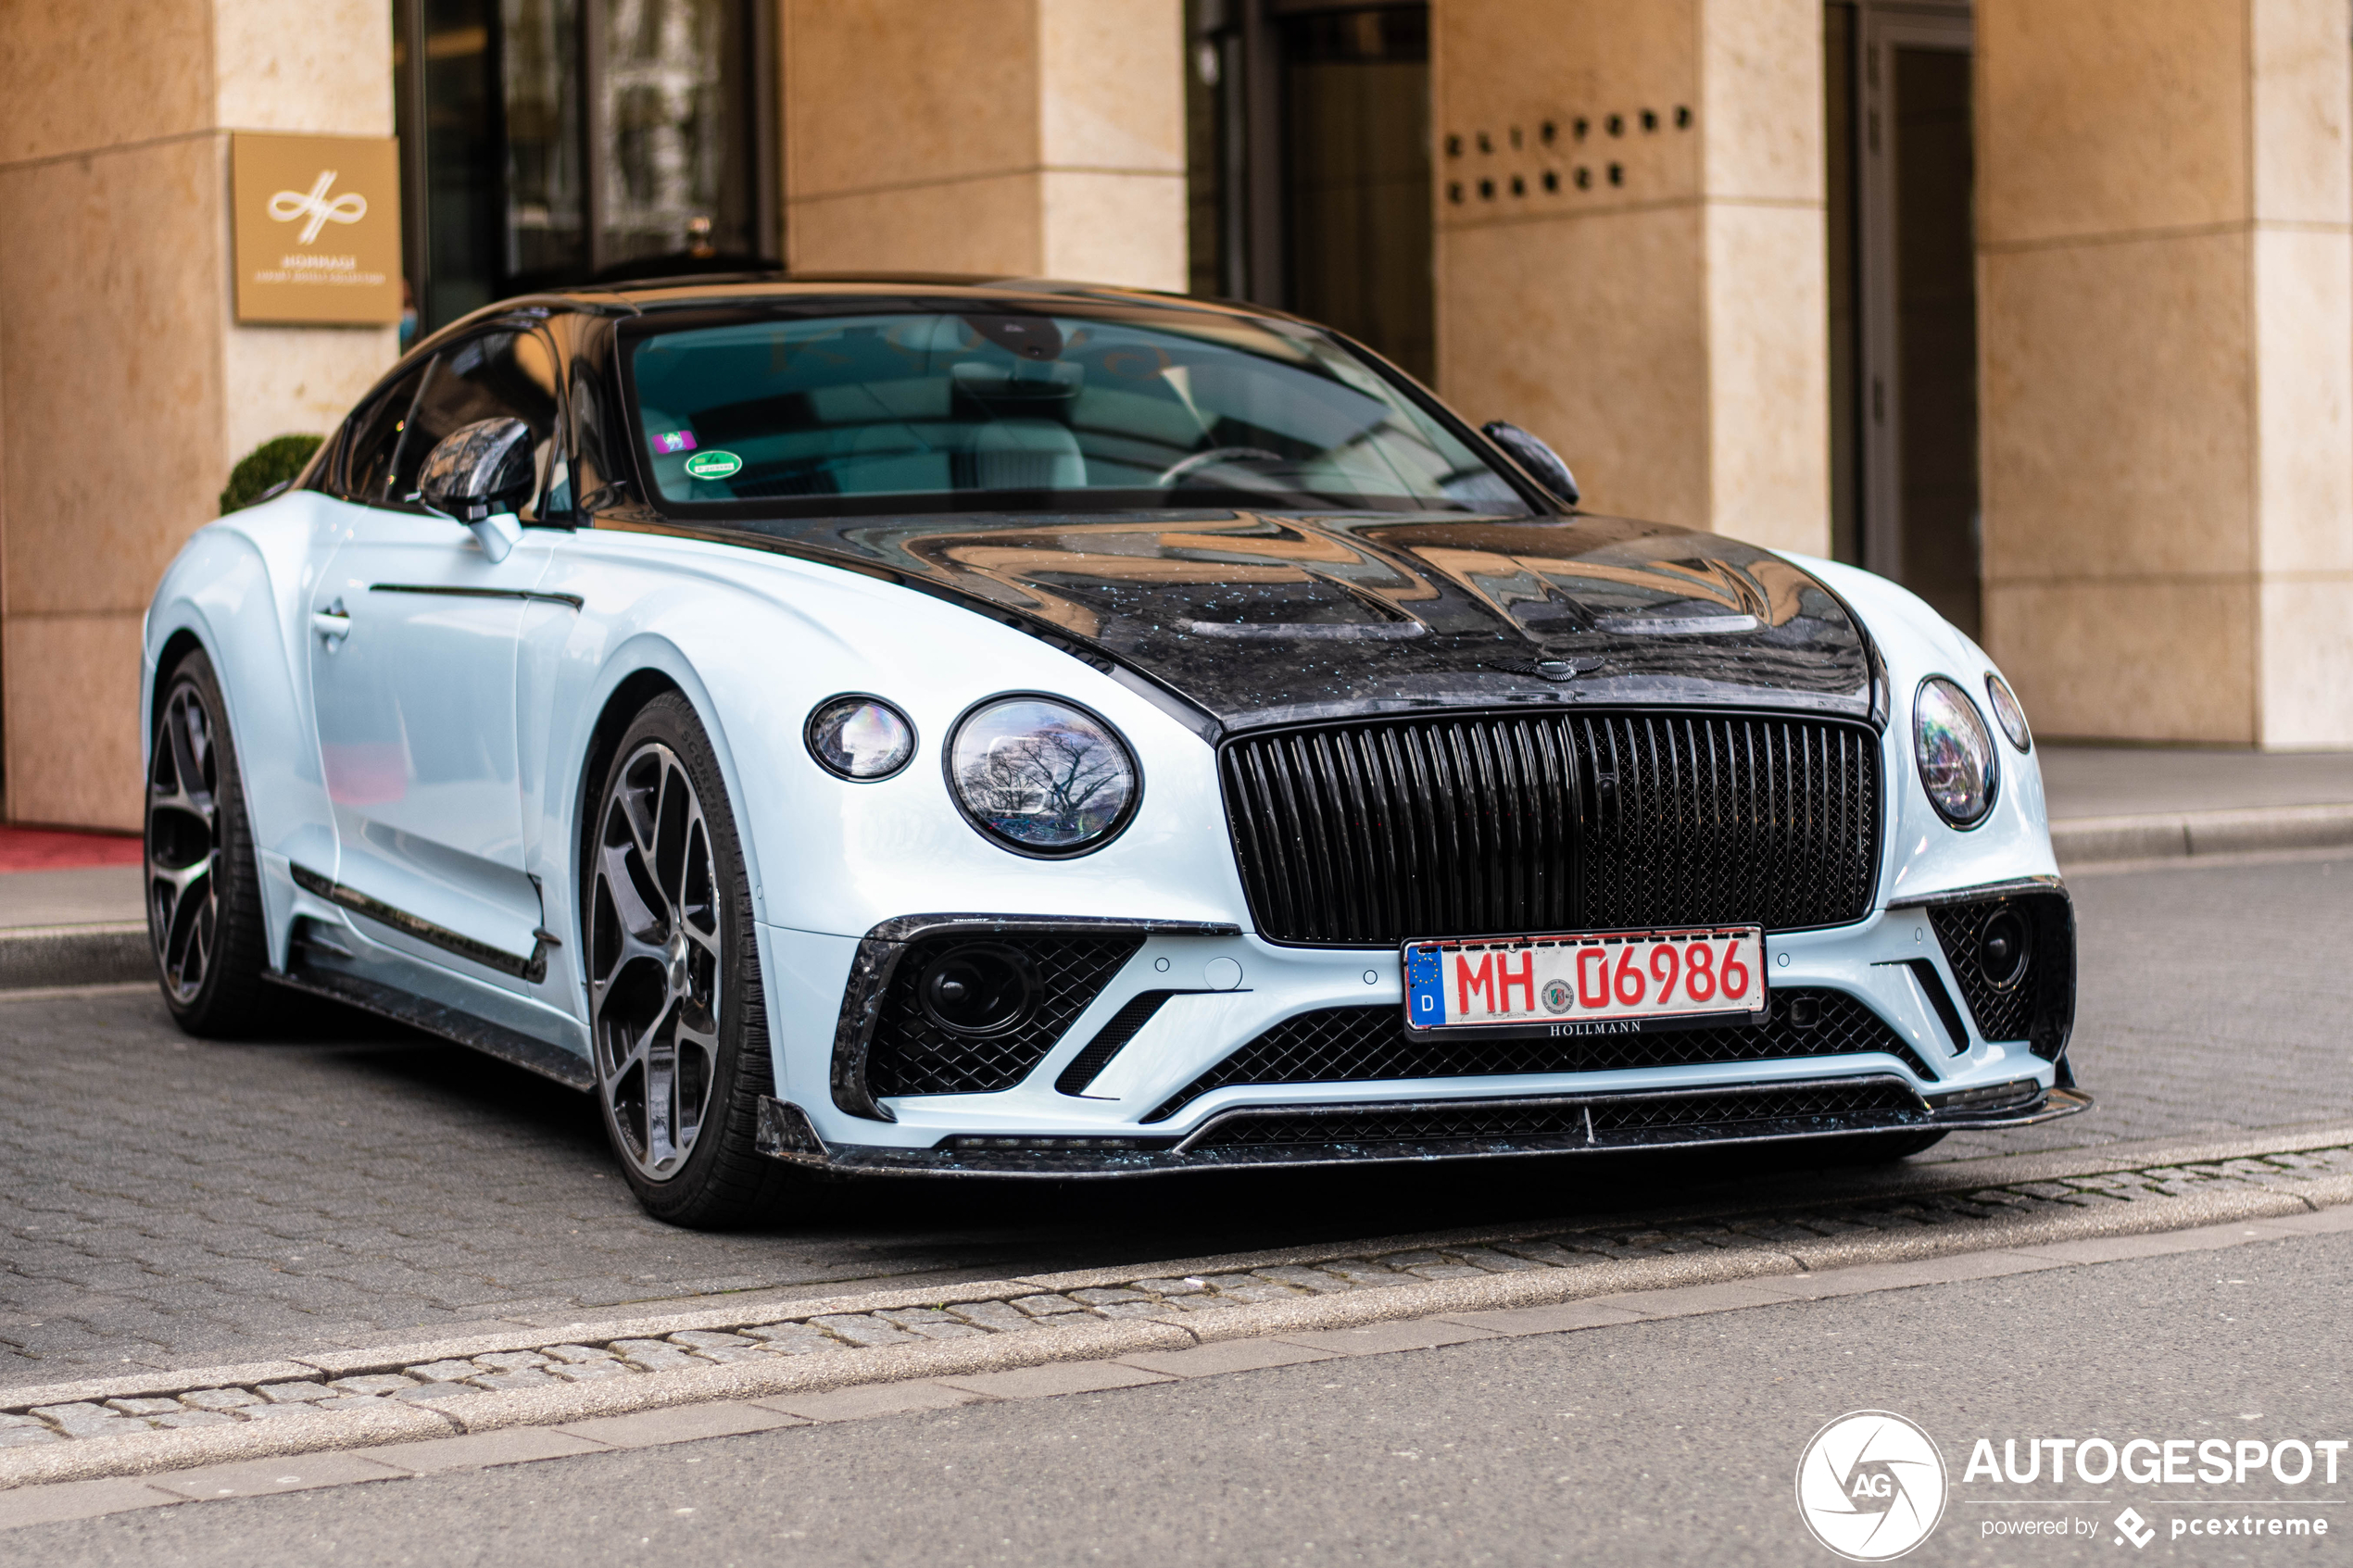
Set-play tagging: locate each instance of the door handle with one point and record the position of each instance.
(333, 623)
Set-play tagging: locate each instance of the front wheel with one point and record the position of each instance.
(679, 1022)
(204, 899)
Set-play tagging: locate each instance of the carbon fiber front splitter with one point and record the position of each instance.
(1361, 1133)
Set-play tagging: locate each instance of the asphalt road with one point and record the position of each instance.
(165, 1201)
(1664, 1442)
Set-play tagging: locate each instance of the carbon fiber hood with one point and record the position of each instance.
(1261, 619)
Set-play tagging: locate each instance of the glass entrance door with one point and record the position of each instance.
(549, 143)
(1309, 163)
(1904, 291)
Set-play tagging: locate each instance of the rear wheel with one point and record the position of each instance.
(675, 1005)
(204, 899)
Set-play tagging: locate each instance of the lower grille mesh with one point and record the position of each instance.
(2039, 1008)
(1874, 1101)
(912, 1055)
(1363, 1044)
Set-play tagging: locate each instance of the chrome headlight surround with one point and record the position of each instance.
(1041, 776)
(2008, 712)
(858, 737)
(1959, 768)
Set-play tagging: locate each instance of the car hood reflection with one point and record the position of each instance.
(1261, 618)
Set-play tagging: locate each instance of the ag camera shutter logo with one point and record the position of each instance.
(1870, 1486)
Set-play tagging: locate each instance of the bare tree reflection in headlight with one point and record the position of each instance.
(1044, 774)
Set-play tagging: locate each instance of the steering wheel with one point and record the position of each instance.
(1184, 466)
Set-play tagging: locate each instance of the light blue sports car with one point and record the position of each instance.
(977, 727)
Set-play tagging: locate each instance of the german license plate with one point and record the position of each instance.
(1598, 982)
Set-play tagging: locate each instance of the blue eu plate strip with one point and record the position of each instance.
(1425, 988)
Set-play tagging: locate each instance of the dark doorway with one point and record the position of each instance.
(546, 142)
(1309, 165)
(1904, 300)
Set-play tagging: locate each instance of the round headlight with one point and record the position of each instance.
(1042, 776)
(1957, 766)
(859, 737)
(2007, 713)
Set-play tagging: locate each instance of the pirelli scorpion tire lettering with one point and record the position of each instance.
(204, 899)
(674, 997)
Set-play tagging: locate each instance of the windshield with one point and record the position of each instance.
(949, 408)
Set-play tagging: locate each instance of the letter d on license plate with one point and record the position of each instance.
(1607, 981)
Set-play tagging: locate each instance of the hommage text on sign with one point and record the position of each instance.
(318, 228)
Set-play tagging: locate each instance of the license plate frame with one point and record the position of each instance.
(1556, 981)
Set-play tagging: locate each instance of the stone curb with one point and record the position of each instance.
(41, 957)
(147, 1454)
(462, 1413)
(2088, 841)
(1811, 1189)
(758, 1307)
(1946, 1176)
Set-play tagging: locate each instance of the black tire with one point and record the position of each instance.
(203, 895)
(1882, 1149)
(677, 1012)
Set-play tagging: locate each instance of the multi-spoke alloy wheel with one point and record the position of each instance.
(183, 843)
(673, 980)
(204, 904)
(654, 978)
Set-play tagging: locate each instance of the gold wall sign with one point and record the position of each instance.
(318, 228)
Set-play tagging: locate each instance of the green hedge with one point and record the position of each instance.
(275, 461)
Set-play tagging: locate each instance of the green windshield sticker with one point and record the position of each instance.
(712, 465)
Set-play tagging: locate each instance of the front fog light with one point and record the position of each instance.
(1956, 753)
(859, 737)
(2002, 948)
(978, 988)
(1042, 776)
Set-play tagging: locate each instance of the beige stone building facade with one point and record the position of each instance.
(2044, 308)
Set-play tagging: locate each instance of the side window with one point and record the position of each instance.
(375, 439)
(504, 375)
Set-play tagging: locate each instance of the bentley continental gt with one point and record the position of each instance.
(918, 725)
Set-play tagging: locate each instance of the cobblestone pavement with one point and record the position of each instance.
(769, 1334)
(168, 1202)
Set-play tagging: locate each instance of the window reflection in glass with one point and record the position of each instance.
(673, 128)
(545, 230)
(1108, 407)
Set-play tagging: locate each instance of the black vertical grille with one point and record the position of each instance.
(1487, 825)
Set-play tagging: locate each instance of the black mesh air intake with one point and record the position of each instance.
(1798, 1107)
(2037, 1003)
(1377, 832)
(1366, 1043)
(913, 1054)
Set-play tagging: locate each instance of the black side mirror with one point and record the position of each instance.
(1543, 464)
(479, 470)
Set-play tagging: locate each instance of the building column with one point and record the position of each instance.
(2165, 226)
(1631, 249)
(127, 390)
(1026, 138)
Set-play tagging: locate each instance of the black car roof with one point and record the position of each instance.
(648, 296)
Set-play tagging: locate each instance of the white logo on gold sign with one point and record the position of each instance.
(348, 207)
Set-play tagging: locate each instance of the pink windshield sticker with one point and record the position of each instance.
(674, 441)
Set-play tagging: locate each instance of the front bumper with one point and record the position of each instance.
(1376, 1131)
